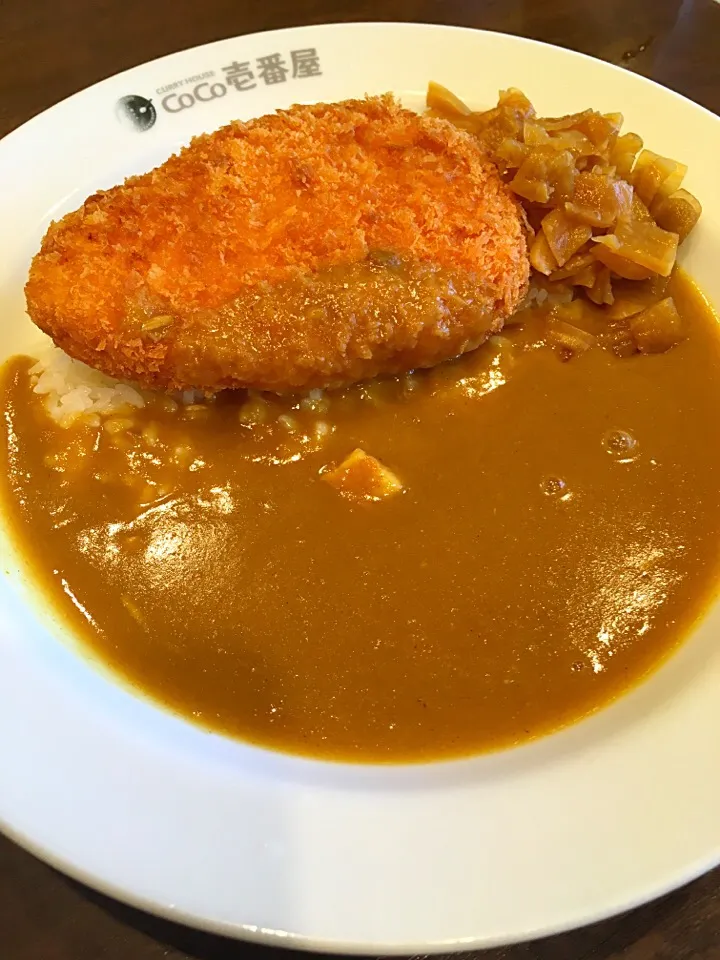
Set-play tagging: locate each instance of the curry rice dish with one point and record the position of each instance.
(450, 558)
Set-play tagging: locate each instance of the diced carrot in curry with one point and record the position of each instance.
(362, 477)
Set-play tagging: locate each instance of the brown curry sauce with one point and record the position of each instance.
(556, 536)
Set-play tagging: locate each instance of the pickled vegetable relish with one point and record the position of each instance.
(601, 210)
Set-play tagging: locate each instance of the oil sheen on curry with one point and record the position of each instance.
(553, 535)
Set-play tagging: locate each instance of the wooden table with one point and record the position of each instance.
(51, 49)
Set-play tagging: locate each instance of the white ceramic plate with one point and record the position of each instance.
(141, 805)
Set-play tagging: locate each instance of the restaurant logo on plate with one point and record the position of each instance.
(140, 114)
(136, 112)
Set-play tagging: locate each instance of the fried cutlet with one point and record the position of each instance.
(313, 247)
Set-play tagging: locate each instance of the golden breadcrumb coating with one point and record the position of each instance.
(315, 246)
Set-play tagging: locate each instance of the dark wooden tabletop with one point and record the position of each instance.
(52, 48)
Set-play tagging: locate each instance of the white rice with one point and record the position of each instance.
(72, 390)
(539, 295)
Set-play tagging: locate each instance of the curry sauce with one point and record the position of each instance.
(553, 535)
